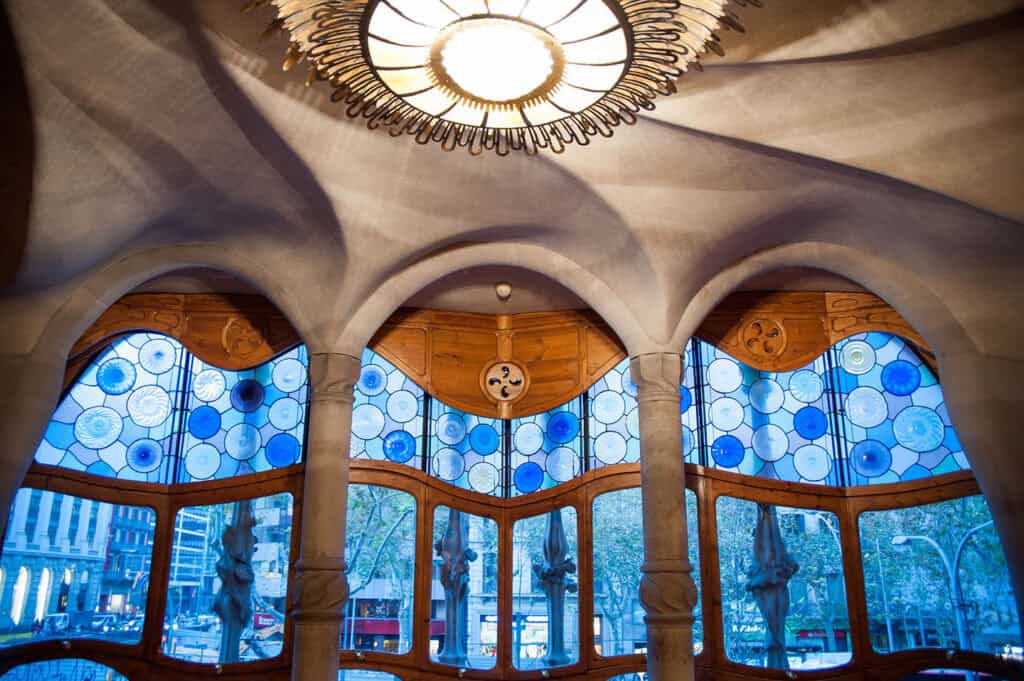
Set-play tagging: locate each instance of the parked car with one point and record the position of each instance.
(102, 623)
(55, 624)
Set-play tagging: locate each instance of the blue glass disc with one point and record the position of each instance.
(116, 376)
(766, 396)
(564, 426)
(98, 427)
(770, 442)
(901, 377)
(247, 395)
(562, 464)
(202, 461)
(919, 429)
(812, 462)
(144, 455)
(870, 458)
(810, 423)
(484, 439)
(204, 422)
(282, 450)
(449, 464)
(242, 442)
(289, 375)
(372, 380)
(607, 407)
(528, 438)
(367, 421)
(866, 407)
(403, 406)
(399, 446)
(727, 451)
(806, 386)
(685, 399)
(610, 447)
(157, 356)
(483, 477)
(451, 429)
(528, 477)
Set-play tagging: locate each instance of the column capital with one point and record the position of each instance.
(319, 590)
(332, 377)
(667, 591)
(657, 376)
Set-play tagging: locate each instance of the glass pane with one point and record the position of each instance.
(774, 560)
(618, 554)
(466, 450)
(70, 668)
(380, 552)
(693, 549)
(894, 413)
(911, 594)
(950, 675)
(387, 414)
(74, 568)
(547, 448)
(545, 602)
(774, 425)
(688, 407)
(464, 588)
(614, 418)
(242, 422)
(118, 419)
(229, 565)
(632, 676)
(365, 675)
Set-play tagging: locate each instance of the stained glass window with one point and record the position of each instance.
(120, 417)
(68, 668)
(380, 559)
(894, 413)
(815, 631)
(614, 418)
(936, 577)
(387, 413)
(467, 450)
(74, 583)
(242, 422)
(205, 552)
(148, 410)
(547, 448)
(767, 424)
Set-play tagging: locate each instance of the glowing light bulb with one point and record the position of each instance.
(499, 60)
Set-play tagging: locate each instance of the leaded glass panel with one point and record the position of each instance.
(893, 412)
(387, 413)
(547, 448)
(918, 559)
(614, 418)
(380, 559)
(119, 418)
(241, 422)
(69, 668)
(467, 450)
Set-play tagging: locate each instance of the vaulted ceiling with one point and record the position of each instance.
(878, 139)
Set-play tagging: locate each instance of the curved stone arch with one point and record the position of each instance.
(103, 287)
(369, 317)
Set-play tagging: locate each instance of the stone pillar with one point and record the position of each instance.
(26, 405)
(667, 590)
(320, 588)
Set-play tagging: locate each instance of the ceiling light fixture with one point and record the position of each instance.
(500, 75)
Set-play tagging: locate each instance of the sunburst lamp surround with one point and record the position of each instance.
(500, 75)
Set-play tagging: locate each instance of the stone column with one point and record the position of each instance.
(320, 588)
(667, 590)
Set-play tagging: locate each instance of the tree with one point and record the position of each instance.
(618, 557)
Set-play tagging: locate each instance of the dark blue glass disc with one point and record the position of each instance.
(204, 422)
(399, 446)
(685, 398)
(116, 376)
(247, 395)
(563, 427)
(283, 450)
(484, 439)
(901, 377)
(810, 423)
(727, 451)
(871, 458)
(144, 455)
(528, 477)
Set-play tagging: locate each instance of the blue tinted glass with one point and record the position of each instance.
(203, 554)
(119, 418)
(910, 591)
(618, 625)
(614, 418)
(387, 414)
(769, 424)
(70, 668)
(688, 408)
(466, 449)
(547, 448)
(74, 568)
(894, 414)
(240, 422)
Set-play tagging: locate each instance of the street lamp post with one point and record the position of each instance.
(885, 596)
(953, 572)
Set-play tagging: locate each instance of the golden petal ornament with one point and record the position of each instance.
(500, 76)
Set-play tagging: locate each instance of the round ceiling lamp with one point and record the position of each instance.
(501, 75)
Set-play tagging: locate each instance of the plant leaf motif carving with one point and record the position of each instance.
(763, 337)
(241, 337)
(332, 377)
(668, 595)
